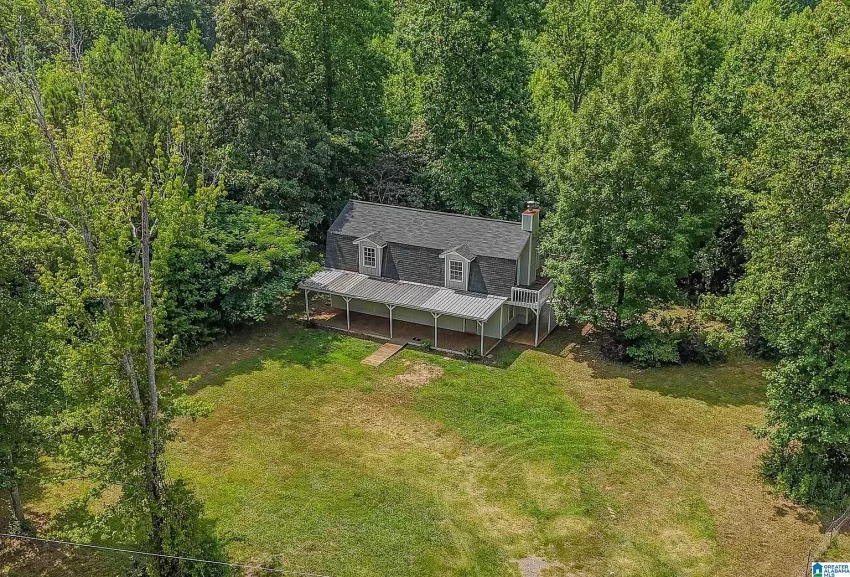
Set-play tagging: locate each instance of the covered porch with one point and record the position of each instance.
(447, 319)
(447, 340)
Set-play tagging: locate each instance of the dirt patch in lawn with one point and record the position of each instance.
(539, 567)
(417, 374)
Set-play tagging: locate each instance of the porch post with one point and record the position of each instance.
(536, 325)
(502, 322)
(391, 307)
(347, 313)
(481, 325)
(307, 302)
(526, 315)
(464, 324)
(549, 327)
(436, 316)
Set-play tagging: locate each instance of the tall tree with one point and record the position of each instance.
(278, 150)
(578, 40)
(636, 196)
(337, 46)
(144, 86)
(796, 281)
(105, 233)
(477, 106)
(750, 59)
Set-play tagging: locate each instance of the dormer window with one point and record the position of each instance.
(370, 257)
(455, 270)
(370, 249)
(457, 263)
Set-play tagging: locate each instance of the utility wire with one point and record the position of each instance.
(177, 557)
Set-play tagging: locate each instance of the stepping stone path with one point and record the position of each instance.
(382, 354)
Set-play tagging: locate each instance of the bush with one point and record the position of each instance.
(427, 344)
(664, 339)
(471, 352)
(241, 269)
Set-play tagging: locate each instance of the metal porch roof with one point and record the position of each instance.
(435, 299)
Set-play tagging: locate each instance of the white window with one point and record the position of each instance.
(456, 271)
(370, 259)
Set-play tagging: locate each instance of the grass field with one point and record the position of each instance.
(430, 466)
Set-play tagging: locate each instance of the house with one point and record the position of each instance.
(449, 271)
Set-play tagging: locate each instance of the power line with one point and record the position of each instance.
(161, 555)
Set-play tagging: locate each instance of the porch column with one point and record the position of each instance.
(481, 326)
(391, 307)
(307, 302)
(502, 322)
(536, 325)
(347, 313)
(436, 316)
(549, 327)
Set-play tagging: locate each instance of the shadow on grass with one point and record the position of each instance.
(736, 382)
(284, 341)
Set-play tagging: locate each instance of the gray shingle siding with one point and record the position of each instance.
(488, 275)
(413, 264)
(491, 275)
(341, 252)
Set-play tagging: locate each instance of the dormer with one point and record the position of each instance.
(456, 266)
(370, 253)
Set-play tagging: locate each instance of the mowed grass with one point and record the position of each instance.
(428, 466)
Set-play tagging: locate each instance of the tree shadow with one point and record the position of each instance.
(278, 340)
(738, 381)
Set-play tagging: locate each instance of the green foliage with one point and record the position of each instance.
(794, 288)
(144, 86)
(578, 40)
(29, 374)
(636, 194)
(277, 151)
(239, 269)
(477, 106)
(669, 338)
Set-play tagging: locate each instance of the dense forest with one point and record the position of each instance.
(167, 170)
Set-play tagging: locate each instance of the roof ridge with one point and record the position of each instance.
(514, 222)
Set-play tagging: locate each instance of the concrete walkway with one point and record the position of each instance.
(382, 354)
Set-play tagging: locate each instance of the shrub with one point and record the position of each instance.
(241, 269)
(471, 352)
(427, 344)
(663, 339)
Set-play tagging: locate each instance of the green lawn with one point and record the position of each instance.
(428, 466)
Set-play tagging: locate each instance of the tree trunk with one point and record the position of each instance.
(154, 479)
(17, 506)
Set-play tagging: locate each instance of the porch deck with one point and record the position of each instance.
(403, 331)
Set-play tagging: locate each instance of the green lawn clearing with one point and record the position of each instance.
(428, 466)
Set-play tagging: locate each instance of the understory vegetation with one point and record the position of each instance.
(168, 171)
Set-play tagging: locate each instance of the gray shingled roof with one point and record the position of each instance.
(475, 306)
(461, 250)
(439, 230)
(374, 237)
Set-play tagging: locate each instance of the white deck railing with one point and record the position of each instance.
(531, 298)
